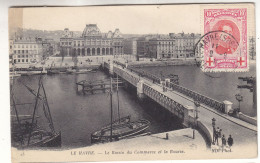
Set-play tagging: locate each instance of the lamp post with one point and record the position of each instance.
(239, 98)
(197, 104)
(213, 126)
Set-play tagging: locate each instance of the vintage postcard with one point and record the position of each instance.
(132, 82)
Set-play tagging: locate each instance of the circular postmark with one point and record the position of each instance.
(218, 50)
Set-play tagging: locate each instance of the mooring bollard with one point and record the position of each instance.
(167, 136)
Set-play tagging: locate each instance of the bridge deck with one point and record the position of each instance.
(242, 132)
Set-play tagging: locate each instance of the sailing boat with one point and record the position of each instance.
(27, 134)
(119, 129)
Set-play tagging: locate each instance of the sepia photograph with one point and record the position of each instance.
(132, 82)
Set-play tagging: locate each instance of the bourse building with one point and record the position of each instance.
(91, 43)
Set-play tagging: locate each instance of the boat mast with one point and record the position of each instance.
(35, 106)
(111, 112)
(117, 98)
(15, 109)
(12, 95)
(48, 108)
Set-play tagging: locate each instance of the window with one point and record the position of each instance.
(22, 51)
(22, 60)
(14, 51)
(26, 60)
(34, 46)
(26, 56)
(18, 56)
(22, 56)
(18, 60)
(18, 51)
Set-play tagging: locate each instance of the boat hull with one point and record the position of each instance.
(120, 131)
(53, 140)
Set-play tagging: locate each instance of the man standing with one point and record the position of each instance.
(217, 135)
(230, 141)
(223, 141)
(214, 135)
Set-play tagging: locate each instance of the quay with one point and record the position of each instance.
(178, 146)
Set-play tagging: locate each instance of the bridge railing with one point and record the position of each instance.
(198, 97)
(124, 74)
(164, 101)
(143, 73)
(120, 63)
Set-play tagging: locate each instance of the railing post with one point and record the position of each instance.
(140, 90)
(188, 115)
(228, 106)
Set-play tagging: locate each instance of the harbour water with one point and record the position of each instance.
(220, 86)
(77, 115)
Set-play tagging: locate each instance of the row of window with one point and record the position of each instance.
(182, 44)
(21, 60)
(24, 51)
(24, 46)
(24, 56)
(81, 43)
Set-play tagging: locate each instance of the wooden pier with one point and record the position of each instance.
(92, 86)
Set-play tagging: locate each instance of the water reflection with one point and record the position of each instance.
(77, 115)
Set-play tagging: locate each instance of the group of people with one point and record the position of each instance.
(217, 135)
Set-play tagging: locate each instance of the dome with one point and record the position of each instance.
(117, 34)
(91, 30)
(67, 33)
(109, 34)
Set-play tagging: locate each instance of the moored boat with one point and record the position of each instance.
(25, 131)
(120, 128)
(120, 131)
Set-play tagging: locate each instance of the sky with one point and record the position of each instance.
(149, 19)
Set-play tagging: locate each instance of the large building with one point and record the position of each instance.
(167, 46)
(162, 47)
(185, 44)
(91, 43)
(26, 50)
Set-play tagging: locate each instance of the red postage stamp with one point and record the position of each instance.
(223, 47)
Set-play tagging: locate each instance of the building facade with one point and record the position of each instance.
(185, 44)
(26, 50)
(167, 46)
(91, 43)
(162, 47)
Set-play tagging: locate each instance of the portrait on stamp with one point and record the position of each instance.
(226, 39)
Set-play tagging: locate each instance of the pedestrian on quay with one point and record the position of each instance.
(217, 135)
(214, 135)
(230, 141)
(223, 141)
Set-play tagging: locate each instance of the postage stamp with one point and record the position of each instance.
(223, 47)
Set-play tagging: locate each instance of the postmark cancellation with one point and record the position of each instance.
(223, 46)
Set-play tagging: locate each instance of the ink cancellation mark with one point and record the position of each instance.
(223, 47)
